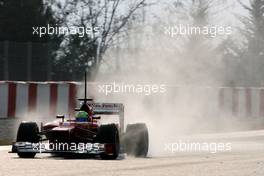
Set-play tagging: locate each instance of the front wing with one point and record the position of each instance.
(27, 147)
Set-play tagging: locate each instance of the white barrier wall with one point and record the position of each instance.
(225, 101)
(50, 98)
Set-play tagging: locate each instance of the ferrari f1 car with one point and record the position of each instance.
(84, 135)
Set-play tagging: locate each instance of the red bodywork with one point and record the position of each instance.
(71, 131)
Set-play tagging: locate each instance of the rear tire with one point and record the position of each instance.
(27, 132)
(109, 134)
(136, 140)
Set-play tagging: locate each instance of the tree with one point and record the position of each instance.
(198, 51)
(245, 59)
(86, 53)
(253, 53)
(18, 17)
(28, 55)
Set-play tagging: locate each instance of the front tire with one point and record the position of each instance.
(136, 140)
(27, 132)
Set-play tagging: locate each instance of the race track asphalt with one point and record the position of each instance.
(246, 161)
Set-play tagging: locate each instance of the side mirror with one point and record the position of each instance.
(60, 117)
(96, 117)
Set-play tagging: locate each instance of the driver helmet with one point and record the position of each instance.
(81, 116)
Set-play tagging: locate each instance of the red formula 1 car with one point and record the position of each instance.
(83, 135)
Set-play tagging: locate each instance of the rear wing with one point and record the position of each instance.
(110, 109)
(105, 108)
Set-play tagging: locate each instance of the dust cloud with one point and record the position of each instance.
(192, 73)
